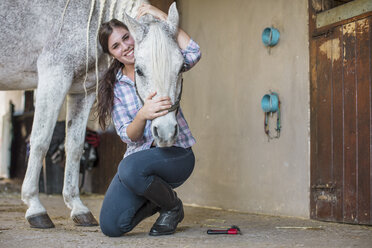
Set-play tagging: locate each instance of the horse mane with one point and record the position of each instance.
(160, 54)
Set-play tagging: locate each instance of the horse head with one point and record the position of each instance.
(158, 67)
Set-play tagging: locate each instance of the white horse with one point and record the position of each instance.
(158, 67)
(51, 45)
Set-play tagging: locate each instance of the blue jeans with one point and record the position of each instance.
(135, 173)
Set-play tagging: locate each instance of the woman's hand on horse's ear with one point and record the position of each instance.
(154, 108)
(149, 9)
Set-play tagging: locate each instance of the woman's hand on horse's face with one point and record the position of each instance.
(152, 10)
(154, 108)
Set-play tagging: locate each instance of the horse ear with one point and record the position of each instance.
(173, 18)
(136, 29)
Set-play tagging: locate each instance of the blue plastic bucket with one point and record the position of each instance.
(270, 103)
(270, 36)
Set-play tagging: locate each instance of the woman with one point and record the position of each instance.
(147, 175)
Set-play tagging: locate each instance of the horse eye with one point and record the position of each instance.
(139, 72)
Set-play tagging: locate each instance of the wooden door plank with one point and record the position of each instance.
(324, 99)
(337, 123)
(350, 189)
(363, 120)
(313, 125)
(370, 118)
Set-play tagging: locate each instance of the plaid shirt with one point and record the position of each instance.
(127, 104)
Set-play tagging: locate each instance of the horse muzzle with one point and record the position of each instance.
(165, 131)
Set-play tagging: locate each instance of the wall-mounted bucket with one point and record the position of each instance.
(270, 36)
(270, 103)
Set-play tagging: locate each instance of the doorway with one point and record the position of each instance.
(341, 113)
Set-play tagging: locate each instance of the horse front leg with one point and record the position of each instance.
(53, 85)
(78, 108)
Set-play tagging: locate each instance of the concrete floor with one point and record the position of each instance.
(258, 230)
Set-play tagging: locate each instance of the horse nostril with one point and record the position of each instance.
(175, 130)
(155, 131)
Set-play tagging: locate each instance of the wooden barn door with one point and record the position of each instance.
(341, 121)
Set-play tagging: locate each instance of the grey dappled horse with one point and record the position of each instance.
(158, 67)
(51, 45)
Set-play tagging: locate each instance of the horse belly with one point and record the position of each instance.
(18, 81)
(24, 30)
(19, 72)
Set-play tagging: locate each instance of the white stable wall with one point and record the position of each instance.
(236, 167)
(17, 98)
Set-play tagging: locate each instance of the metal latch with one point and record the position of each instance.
(324, 187)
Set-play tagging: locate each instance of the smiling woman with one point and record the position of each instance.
(147, 64)
(121, 45)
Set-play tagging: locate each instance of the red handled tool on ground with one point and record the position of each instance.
(231, 230)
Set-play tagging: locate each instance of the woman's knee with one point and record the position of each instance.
(114, 226)
(110, 230)
(113, 230)
(185, 169)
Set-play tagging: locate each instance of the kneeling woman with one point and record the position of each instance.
(146, 177)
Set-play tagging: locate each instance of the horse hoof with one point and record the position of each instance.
(85, 220)
(40, 221)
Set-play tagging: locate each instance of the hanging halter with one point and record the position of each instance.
(271, 104)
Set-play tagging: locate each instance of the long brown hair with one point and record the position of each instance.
(106, 84)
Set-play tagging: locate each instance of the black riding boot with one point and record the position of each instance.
(148, 209)
(171, 212)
